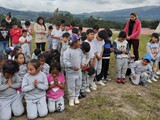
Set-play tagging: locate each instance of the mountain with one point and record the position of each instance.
(144, 13)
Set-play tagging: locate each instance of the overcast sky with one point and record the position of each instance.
(75, 6)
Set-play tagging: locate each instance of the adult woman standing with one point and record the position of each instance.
(133, 29)
(8, 21)
(41, 31)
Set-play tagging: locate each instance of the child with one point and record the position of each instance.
(139, 70)
(15, 33)
(66, 28)
(10, 101)
(92, 61)
(106, 58)
(121, 49)
(50, 28)
(24, 41)
(72, 60)
(83, 37)
(153, 49)
(4, 38)
(34, 86)
(29, 32)
(55, 92)
(44, 67)
(9, 53)
(56, 35)
(95, 29)
(74, 31)
(35, 54)
(63, 45)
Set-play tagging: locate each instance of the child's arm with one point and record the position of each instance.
(66, 60)
(19, 33)
(99, 57)
(3, 86)
(133, 66)
(18, 82)
(21, 41)
(25, 86)
(116, 51)
(149, 50)
(44, 85)
(12, 32)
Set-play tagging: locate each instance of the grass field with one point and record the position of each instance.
(115, 101)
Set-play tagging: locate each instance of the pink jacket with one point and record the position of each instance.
(136, 29)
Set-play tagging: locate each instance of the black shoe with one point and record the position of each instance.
(83, 94)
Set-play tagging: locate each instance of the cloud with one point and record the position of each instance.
(75, 6)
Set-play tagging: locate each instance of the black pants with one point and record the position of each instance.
(104, 70)
(135, 44)
(41, 46)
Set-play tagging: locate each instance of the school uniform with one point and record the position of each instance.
(10, 100)
(35, 96)
(46, 68)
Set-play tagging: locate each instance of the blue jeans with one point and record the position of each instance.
(3, 46)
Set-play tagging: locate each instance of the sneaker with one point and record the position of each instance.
(76, 100)
(94, 84)
(118, 80)
(156, 76)
(71, 102)
(158, 72)
(93, 88)
(153, 79)
(144, 83)
(108, 78)
(101, 83)
(87, 90)
(123, 80)
(149, 81)
(83, 94)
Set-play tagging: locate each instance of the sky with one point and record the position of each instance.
(75, 6)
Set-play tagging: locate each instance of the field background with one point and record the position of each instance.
(115, 101)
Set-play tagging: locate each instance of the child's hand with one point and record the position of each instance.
(134, 77)
(58, 37)
(111, 49)
(26, 41)
(41, 67)
(9, 82)
(51, 86)
(128, 38)
(124, 52)
(36, 83)
(56, 81)
(76, 68)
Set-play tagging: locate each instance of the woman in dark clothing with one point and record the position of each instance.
(8, 21)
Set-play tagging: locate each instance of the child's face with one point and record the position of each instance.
(14, 26)
(54, 71)
(77, 44)
(20, 59)
(144, 62)
(66, 28)
(19, 50)
(121, 39)
(8, 75)
(65, 39)
(99, 39)
(90, 36)
(24, 34)
(57, 27)
(42, 61)
(27, 26)
(31, 69)
(154, 39)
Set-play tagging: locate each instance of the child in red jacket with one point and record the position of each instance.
(15, 33)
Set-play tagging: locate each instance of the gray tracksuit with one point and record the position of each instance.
(121, 59)
(72, 58)
(22, 70)
(10, 100)
(46, 68)
(35, 97)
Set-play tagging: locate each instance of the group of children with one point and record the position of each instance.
(76, 60)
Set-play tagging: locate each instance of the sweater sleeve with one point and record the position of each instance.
(18, 82)
(12, 32)
(36, 30)
(149, 50)
(133, 66)
(137, 31)
(66, 60)
(126, 27)
(116, 51)
(25, 86)
(19, 33)
(3, 86)
(44, 85)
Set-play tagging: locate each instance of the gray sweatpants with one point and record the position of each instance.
(121, 67)
(98, 66)
(85, 82)
(35, 107)
(154, 65)
(12, 103)
(74, 82)
(26, 50)
(143, 78)
(55, 44)
(56, 105)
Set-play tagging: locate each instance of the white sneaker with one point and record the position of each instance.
(156, 76)
(101, 83)
(87, 90)
(158, 72)
(108, 78)
(93, 88)
(149, 81)
(153, 79)
(94, 84)
(76, 101)
(71, 102)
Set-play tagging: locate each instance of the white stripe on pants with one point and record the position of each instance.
(56, 105)
(121, 67)
(74, 82)
(12, 103)
(35, 107)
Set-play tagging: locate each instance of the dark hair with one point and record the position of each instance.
(27, 23)
(50, 27)
(80, 28)
(156, 35)
(17, 55)
(15, 50)
(109, 32)
(63, 21)
(122, 34)
(83, 36)
(102, 34)
(67, 24)
(42, 55)
(58, 23)
(37, 51)
(9, 14)
(66, 35)
(35, 63)
(134, 14)
(43, 21)
(85, 46)
(23, 31)
(14, 23)
(3, 24)
(75, 30)
(10, 67)
(55, 65)
(73, 24)
(96, 27)
(89, 31)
